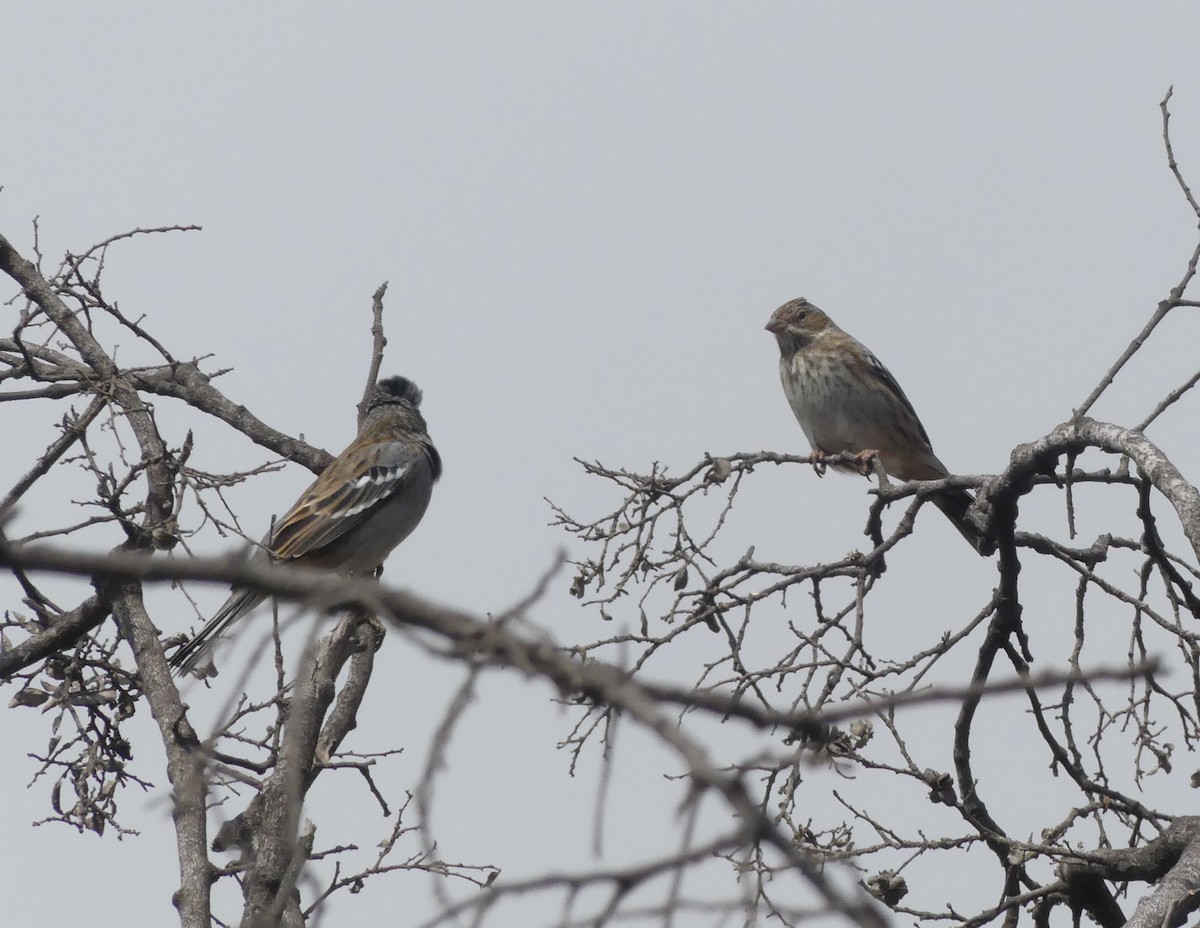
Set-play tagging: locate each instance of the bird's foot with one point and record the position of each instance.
(817, 460)
(866, 462)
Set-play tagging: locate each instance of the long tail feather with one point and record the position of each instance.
(955, 503)
(189, 657)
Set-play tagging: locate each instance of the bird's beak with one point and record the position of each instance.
(775, 326)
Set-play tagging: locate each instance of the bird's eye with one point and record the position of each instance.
(801, 315)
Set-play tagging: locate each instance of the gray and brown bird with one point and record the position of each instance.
(367, 501)
(846, 401)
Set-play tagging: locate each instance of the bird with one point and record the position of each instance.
(364, 504)
(846, 401)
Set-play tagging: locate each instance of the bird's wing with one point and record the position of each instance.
(343, 496)
(877, 370)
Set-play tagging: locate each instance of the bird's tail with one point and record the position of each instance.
(955, 503)
(189, 657)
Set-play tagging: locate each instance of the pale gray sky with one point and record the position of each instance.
(586, 213)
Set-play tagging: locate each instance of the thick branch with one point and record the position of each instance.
(1040, 456)
(180, 743)
(1172, 861)
(186, 382)
(273, 817)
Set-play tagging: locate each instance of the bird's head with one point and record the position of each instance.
(396, 400)
(796, 323)
(396, 390)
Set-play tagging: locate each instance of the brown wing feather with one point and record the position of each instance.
(338, 500)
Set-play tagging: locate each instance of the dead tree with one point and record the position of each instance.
(824, 773)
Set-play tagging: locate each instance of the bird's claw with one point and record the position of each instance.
(817, 459)
(866, 462)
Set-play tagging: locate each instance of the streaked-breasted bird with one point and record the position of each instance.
(846, 401)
